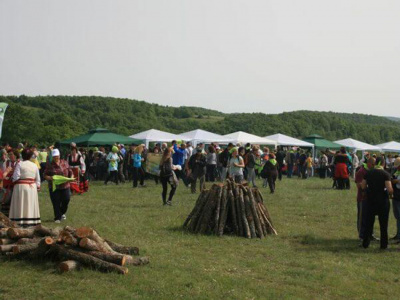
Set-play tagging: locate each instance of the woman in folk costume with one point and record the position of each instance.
(13, 160)
(60, 196)
(77, 164)
(24, 208)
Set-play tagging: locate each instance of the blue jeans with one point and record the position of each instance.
(290, 170)
(396, 213)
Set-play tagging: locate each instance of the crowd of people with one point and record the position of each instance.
(23, 170)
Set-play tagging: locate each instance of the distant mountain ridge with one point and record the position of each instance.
(46, 119)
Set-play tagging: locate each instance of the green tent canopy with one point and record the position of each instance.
(100, 137)
(320, 142)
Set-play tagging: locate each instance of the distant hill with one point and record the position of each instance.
(46, 119)
(394, 119)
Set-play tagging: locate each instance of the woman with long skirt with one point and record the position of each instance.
(24, 208)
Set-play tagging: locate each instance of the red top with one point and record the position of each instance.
(358, 179)
(63, 169)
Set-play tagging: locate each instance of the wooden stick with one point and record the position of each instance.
(257, 222)
(197, 206)
(224, 212)
(3, 233)
(246, 228)
(6, 221)
(217, 210)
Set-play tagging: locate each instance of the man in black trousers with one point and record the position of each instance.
(378, 187)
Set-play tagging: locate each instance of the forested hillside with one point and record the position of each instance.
(46, 119)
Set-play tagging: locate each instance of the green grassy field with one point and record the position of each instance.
(315, 256)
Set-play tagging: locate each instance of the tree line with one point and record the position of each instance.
(43, 120)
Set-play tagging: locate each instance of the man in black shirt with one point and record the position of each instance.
(378, 187)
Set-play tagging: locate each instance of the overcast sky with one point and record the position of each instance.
(233, 56)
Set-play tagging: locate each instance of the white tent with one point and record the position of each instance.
(154, 135)
(357, 145)
(390, 146)
(243, 137)
(203, 136)
(284, 140)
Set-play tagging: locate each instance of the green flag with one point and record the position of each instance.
(3, 107)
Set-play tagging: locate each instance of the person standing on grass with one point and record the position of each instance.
(236, 166)
(61, 196)
(178, 159)
(323, 164)
(211, 166)
(138, 173)
(280, 158)
(361, 197)
(378, 187)
(167, 176)
(113, 160)
(396, 197)
(251, 165)
(197, 170)
(223, 159)
(270, 172)
(309, 164)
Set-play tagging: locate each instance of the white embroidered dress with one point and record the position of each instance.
(24, 208)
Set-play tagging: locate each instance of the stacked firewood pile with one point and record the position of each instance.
(71, 248)
(230, 209)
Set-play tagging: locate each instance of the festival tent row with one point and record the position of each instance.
(154, 135)
(244, 137)
(203, 136)
(284, 140)
(390, 146)
(357, 145)
(100, 137)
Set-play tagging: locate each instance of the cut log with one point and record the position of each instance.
(87, 232)
(115, 258)
(92, 245)
(6, 241)
(123, 249)
(17, 233)
(31, 247)
(6, 248)
(3, 233)
(6, 221)
(88, 260)
(41, 230)
(25, 241)
(68, 238)
(137, 261)
(69, 266)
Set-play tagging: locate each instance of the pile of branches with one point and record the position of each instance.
(230, 208)
(72, 248)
